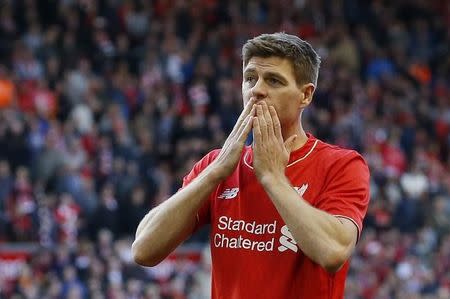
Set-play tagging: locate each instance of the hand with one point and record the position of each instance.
(229, 155)
(271, 152)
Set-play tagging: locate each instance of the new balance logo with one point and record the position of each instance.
(229, 193)
(301, 190)
(287, 240)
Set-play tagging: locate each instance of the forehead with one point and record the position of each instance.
(270, 64)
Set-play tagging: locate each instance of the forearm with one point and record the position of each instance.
(173, 221)
(170, 223)
(321, 236)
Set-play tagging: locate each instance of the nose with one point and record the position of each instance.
(259, 90)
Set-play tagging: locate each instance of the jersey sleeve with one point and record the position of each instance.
(203, 214)
(347, 189)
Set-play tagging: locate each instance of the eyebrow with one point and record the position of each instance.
(268, 73)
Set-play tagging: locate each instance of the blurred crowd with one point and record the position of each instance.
(106, 104)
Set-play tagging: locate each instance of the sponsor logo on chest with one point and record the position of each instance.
(252, 235)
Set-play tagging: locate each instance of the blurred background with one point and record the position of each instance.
(106, 104)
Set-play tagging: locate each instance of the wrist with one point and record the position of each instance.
(276, 186)
(215, 173)
(269, 180)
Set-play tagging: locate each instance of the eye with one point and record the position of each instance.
(273, 81)
(250, 78)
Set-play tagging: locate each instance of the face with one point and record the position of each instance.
(272, 80)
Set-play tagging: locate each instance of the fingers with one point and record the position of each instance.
(262, 123)
(246, 127)
(269, 122)
(276, 124)
(247, 110)
(268, 118)
(257, 136)
(247, 122)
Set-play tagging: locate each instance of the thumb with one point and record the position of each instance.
(289, 143)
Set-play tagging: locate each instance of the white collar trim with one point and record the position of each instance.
(290, 164)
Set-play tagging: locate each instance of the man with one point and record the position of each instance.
(286, 212)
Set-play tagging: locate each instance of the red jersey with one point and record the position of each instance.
(253, 253)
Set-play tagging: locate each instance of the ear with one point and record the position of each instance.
(307, 91)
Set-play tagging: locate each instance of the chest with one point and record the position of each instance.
(241, 196)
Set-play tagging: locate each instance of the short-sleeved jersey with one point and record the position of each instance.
(253, 253)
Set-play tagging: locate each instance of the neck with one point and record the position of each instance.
(295, 130)
(301, 136)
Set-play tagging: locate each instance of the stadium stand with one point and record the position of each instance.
(106, 104)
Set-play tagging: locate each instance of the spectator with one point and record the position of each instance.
(106, 216)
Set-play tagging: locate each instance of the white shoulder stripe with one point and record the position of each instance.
(354, 222)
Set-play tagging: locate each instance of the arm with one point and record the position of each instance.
(324, 238)
(169, 224)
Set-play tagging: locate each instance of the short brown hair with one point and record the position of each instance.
(305, 61)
